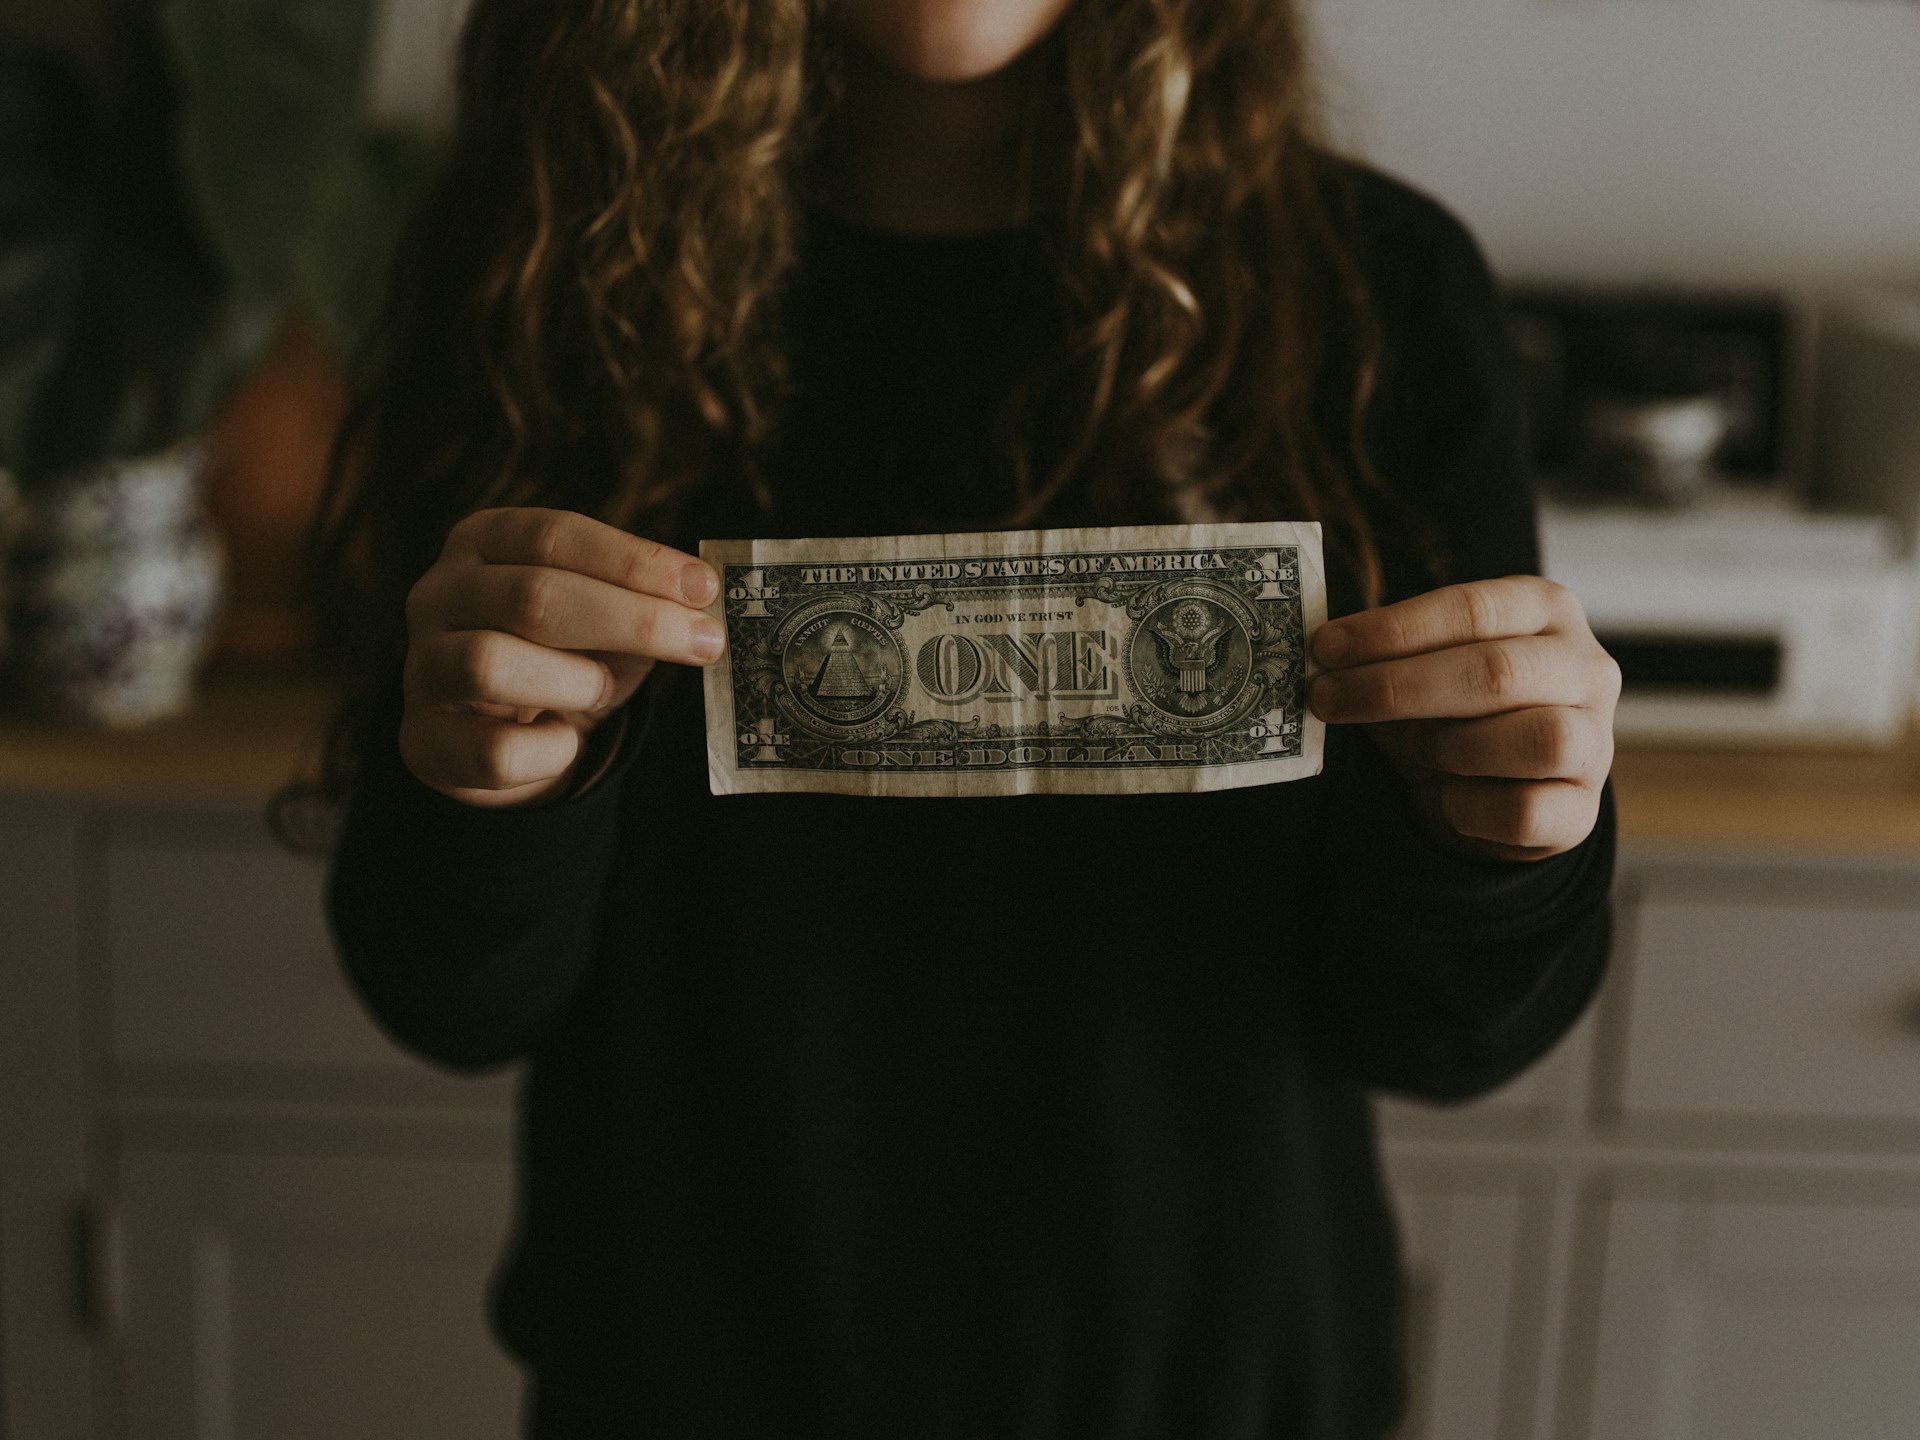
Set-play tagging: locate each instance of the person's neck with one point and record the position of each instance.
(923, 156)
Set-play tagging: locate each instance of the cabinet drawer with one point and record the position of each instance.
(1779, 1007)
(1734, 1309)
(216, 950)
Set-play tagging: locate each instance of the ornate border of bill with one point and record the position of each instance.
(1098, 661)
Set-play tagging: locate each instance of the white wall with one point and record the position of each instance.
(412, 74)
(1772, 142)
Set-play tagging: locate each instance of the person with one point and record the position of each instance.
(1041, 1116)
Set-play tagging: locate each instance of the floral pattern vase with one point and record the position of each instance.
(116, 586)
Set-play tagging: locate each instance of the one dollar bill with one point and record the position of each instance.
(1154, 658)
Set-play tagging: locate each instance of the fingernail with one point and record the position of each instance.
(698, 585)
(1331, 643)
(606, 688)
(707, 639)
(1325, 696)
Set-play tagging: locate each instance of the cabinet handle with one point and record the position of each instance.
(99, 1269)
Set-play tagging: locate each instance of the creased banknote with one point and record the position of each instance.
(1155, 658)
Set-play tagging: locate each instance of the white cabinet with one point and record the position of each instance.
(1736, 1309)
(1728, 1163)
(217, 979)
(1699, 1219)
(291, 1225)
(1773, 1001)
(215, 954)
(309, 1296)
(1466, 1240)
(46, 1361)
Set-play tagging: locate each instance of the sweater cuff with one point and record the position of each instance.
(1443, 889)
(519, 848)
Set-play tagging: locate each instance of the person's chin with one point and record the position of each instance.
(938, 65)
(949, 53)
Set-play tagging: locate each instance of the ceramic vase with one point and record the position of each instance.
(117, 585)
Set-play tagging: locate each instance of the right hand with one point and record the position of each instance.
(532, 627)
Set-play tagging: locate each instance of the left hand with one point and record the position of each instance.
(1492, 699)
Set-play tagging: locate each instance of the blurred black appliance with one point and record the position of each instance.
(1587, 347)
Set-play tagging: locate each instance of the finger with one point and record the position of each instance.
(484, 754)
(568, 540)
(460, 667)
(569, 611)
(1456, 615)
(1536, 816)
(1461, 683)
(1547, 742)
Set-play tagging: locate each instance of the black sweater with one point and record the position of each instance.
(1036, 1117)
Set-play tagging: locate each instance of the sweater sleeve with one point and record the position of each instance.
(467, 931)
(1437, 975)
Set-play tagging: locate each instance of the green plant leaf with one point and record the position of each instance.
(143, 326)
(363, 205)
(37, 289)
(271, 95)
(235, 178)
(47, 180)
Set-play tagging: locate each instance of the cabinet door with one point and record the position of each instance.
(1763, 1004)
(220, 975)
(46, 1359)
(1466, 1273)
(1730, 1315)
(312, 1297)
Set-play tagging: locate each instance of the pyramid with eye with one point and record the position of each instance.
(840, 676)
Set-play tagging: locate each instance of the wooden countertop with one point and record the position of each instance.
(248, 734)
(1826, 802)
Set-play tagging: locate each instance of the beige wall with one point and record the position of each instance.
(1764, 141)
(412, 71)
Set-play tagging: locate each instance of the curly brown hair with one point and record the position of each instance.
(585, 311)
